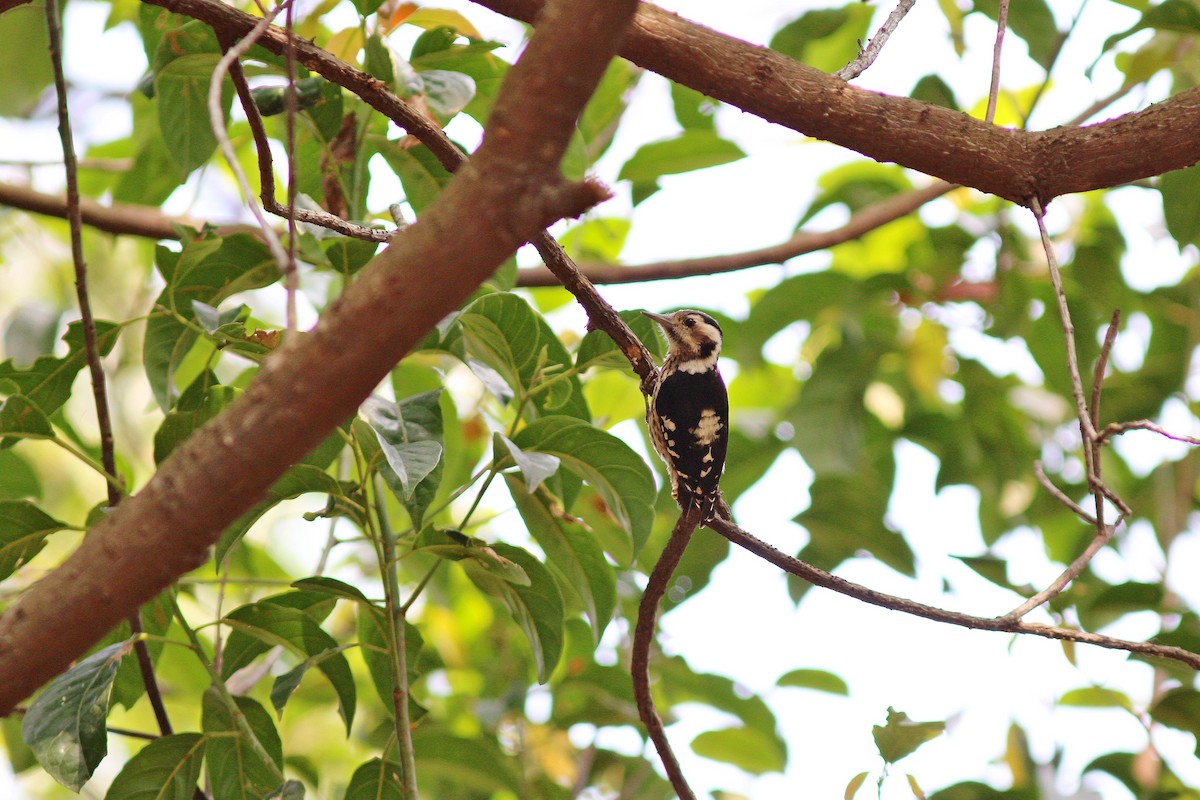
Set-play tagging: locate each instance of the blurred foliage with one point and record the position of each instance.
(520, 593)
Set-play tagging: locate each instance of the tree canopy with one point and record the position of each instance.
(316, 481)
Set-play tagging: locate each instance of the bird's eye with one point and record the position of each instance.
(690, 322)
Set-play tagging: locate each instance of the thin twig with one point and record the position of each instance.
(997, 49)
(860, 223)
(91, 348)
(643, 636)
(292, 275)
(266, 166)
(1059, 495)
(1069, 574)
(216, 115)
(1118, 428)
(1110, 338)
(869, 53)
(819, 577)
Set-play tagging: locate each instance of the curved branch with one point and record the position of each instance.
(859, 224)
(643, 637)
(1013, 164)
(1005, 624)
(312, 382)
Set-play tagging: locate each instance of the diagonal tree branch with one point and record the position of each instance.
(1005, 624)
(643, 637)
(312, 382)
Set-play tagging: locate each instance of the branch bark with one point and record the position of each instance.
(1013, 164)
(499, 200)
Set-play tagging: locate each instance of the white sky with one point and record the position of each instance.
(743, 625)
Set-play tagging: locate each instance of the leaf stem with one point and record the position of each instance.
(239, 719)
(396, 614)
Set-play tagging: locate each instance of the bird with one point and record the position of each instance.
(687, 410)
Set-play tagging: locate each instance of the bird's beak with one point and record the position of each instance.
(661, 319)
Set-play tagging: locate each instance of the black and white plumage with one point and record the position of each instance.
(688, 411)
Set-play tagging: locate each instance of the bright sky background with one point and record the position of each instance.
(744, 625)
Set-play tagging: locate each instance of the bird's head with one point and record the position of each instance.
(693, 339)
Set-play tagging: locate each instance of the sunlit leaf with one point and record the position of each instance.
(617, 473)
(572, 553)
(23, 531)
(745, 748)
(902, 736)
(817, 679)
(536, 608)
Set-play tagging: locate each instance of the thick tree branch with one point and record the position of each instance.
(1013, 164)
(316, 380)
(122, 218)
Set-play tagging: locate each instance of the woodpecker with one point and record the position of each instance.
(688, 410)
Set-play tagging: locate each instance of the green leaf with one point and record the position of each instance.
(286, 684)
(503, 332)
(275, 624)
(935, 91)
(475, 763)
(1033, 21)
(419, 171)
(18, 481)
(680, 684)
(65, 725)
(320, 584)
(411, 439)
(168, 768)
(23, 531)
(829, 416)
(48, 380)
(446, 93)
(825, 38)
(376, 780)
(689, 151)
(572, 553)
(235, 768)
(299, 480)
(901, 736)
(1181, 204)
(376, 652)
(600, 118)
(614, 470)
(693, 110)
(596, 239)
(23, 59)
(817, 679)
(536, 608)
(1181, 16)
(181, 91)
(745, 748)
(1096, 697)
(1114, 602)
(209, 270)
(535, 467)
(599, 350)
(452, 545)
(1180, 709)
(21, 418)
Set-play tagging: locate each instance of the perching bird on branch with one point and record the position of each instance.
(688, 410)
